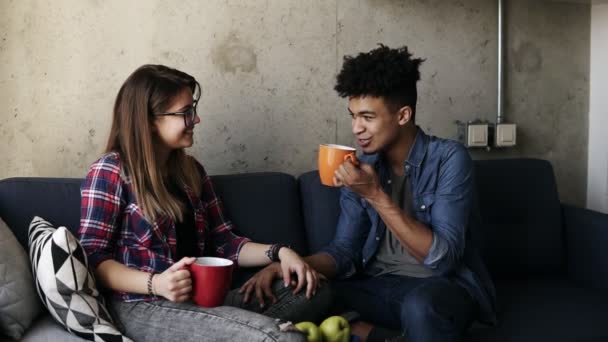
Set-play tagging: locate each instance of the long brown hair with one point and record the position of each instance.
(151, 89)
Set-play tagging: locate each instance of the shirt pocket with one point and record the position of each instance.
(423, 206)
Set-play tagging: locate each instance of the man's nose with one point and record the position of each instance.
(357, 126)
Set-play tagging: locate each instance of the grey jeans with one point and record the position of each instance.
(163, 320)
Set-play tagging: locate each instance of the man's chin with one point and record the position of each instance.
(368, 150)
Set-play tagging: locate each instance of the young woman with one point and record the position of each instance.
(148, 209)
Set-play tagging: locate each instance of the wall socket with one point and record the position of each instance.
(483, 134)
(506, 135)
(473, 134)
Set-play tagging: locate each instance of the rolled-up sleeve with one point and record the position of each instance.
(223, 242)
(100, 206)
(351, 231)
(450, 211)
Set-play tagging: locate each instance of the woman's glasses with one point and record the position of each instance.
(190, 113)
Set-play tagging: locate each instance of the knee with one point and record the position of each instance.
(418, 310)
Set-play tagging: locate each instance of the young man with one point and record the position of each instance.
(402, 252)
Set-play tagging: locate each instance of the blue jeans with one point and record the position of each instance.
(163, 320)
(425, 309)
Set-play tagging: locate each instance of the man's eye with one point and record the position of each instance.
(368, 118)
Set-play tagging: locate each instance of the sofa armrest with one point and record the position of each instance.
(586, 233)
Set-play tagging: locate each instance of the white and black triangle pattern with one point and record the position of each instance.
(65, 284)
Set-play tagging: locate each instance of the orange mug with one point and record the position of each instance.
(331, 156)
(211, 278)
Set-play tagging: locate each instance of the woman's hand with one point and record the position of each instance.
(261, 283)
(175, 284)
(291, 262)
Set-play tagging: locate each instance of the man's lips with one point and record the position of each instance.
(364, 142)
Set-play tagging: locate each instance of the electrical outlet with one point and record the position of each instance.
(477, 135)
(506, 134)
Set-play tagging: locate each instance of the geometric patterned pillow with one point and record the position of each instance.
(65, 284)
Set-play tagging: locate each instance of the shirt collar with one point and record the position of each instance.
(418, 150)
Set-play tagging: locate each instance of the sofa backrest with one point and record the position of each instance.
(263, 206)
(56, 200)
(521, 217)
(320, 208)
(520, 227)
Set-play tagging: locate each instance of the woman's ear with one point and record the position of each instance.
(153, 127)
(404, 115)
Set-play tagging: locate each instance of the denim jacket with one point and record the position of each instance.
(443, 192)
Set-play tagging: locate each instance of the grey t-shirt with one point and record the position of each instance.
(392, 257)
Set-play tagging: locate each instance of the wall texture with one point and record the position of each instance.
(597, 182)
(267, 70)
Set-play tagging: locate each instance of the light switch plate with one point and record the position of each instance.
(506, 134)
(477, 135)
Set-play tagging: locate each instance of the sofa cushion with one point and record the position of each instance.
(264, 207)
(55, 199)
(321, 209)
(65, 284)
(547, 309)
(520, 210)
(19, 304)
(45, 329)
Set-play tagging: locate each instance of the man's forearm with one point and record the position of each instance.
(416, 236)
(322, 263)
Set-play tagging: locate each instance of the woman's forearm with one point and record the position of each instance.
(253, 254)
(119, 277)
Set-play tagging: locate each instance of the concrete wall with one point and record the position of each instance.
(268, 68)
(597, 185)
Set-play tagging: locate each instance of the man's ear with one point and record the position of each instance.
(404, 115)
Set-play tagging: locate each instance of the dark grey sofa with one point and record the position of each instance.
(546, 258)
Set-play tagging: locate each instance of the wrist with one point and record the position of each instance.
(150, 284)
(273, 251)
(376, 195)
(381, 201)
(282, 251)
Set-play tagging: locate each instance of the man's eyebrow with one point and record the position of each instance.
(362, 112)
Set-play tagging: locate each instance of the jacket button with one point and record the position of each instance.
(377, 238)
(423, 207)
(364, 260)
(389, 181)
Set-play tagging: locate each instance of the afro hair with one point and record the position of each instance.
(382, 72)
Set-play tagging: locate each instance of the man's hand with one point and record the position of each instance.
(291, 262)
(175, 283)
(261, 283)
(363, 179)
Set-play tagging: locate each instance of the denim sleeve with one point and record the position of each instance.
(450, 211)
(351, 231)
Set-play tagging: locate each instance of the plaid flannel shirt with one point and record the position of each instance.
(112, 225)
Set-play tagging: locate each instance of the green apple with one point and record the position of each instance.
(313, 334)
(335, 329)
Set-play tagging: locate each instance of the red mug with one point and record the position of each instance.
(211, 278)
